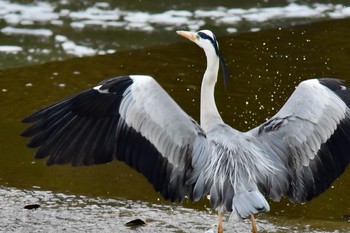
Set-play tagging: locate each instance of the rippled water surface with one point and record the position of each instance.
(77, 213)
(265, 66)
(38, 31)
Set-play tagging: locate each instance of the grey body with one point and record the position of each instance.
(299, 152)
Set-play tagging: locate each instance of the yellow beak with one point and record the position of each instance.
(192, 36)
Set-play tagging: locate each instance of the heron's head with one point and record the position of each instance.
(204, 39)
(207, 40)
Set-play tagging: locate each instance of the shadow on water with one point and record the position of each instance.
(265, 66)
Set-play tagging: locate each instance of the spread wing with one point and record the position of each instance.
(308, 140)
(128, 118)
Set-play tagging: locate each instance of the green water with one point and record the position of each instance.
(265, 67)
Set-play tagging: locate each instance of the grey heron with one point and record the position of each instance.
(297, 153)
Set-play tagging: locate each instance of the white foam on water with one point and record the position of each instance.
(168, 18)
(94, 13)
(45, 19)
(59, 212)
(10, 49)
(341, 12)
(212, 14)
(231, 30)
(14, 13)
(60, 38)
(137, 17)
(26, 31)
(101, 15)
(230, 20)
(78, 50)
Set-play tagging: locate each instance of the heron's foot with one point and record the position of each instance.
(254, 228)
(220, 229)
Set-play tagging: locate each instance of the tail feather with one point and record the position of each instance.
(249, 202)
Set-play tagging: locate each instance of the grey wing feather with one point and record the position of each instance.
(308, 140)
(128, 118)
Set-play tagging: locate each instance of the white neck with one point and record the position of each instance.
(209, 114)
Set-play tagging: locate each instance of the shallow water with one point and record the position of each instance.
(77, 213)
(265, 66)
(72, 213)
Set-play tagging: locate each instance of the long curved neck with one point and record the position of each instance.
(209, 114)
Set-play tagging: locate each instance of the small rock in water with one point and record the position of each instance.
(32, 207)
(135, 223)
(347, 217)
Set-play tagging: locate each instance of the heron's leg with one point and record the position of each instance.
(254, 228)
(220, 228)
